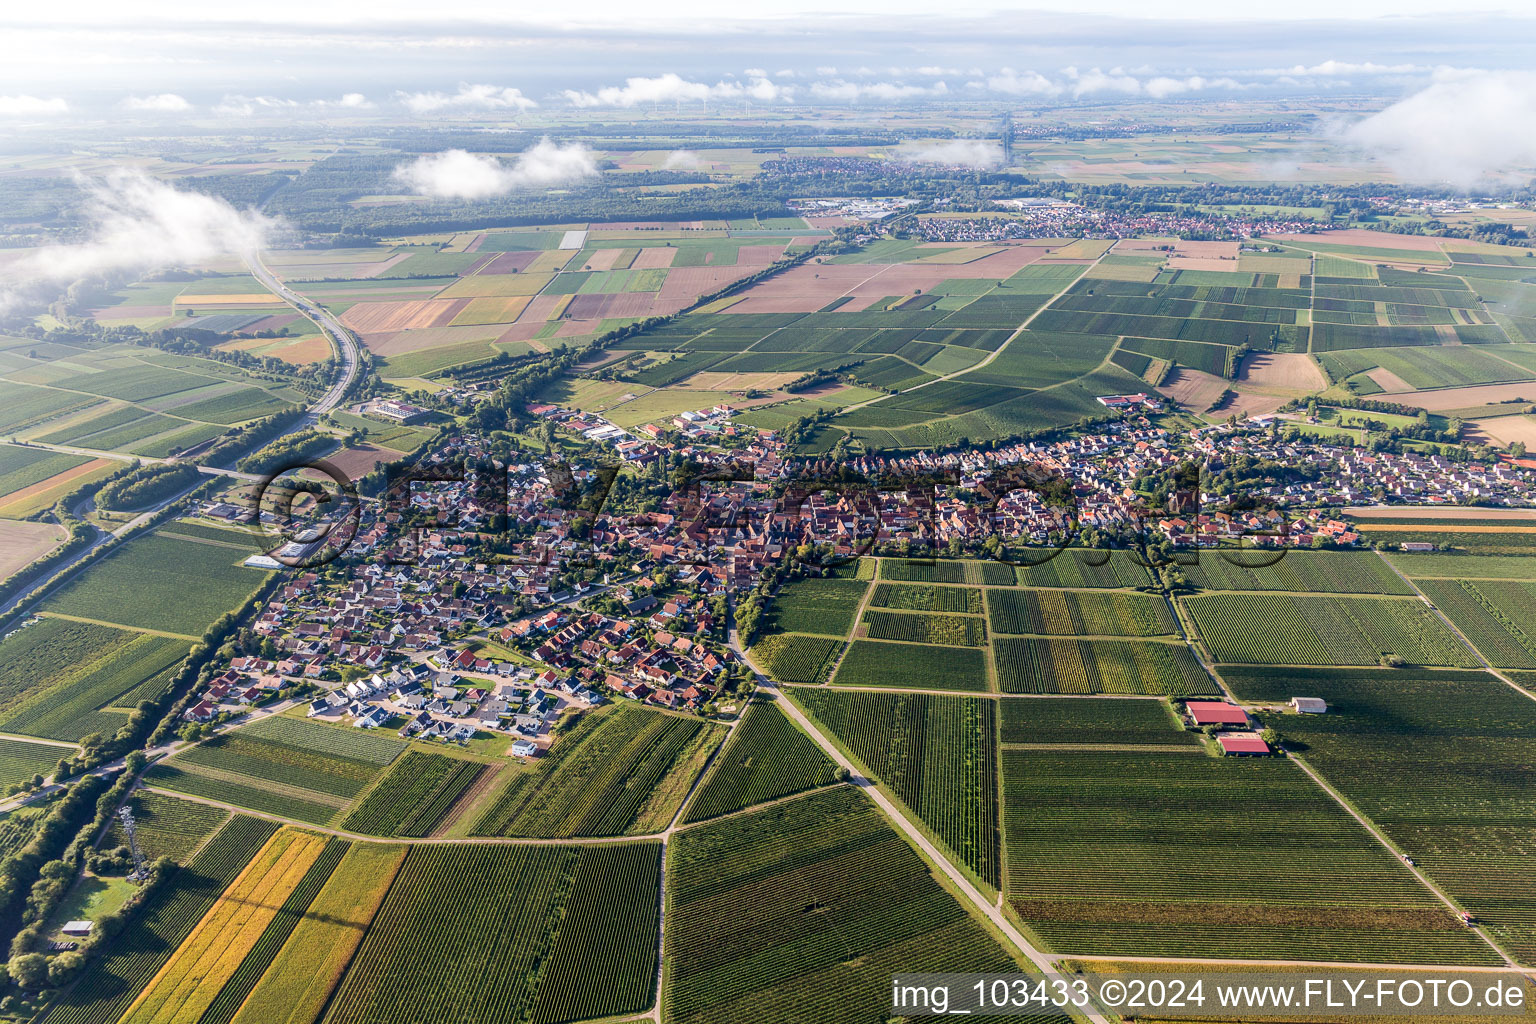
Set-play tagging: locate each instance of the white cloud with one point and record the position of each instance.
(1163, 87)
(469, 97)
(31, 106)
(456, 174)
(1344, 67)
(137, 224)
(681, 160)
(165, 102)
(1028, 83)
(852, 92)
(1096, 81)
(983, 154)
(245, 106)
(354, 101)
(1465, 128)
(673, 88)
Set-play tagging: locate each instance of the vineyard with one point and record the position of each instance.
(872, 663)
(1465, 567)
(111, 982)
(309, 965)
(1065, 665)
(353, 744)
(815, 606)
(598, 780)
(1078, 613)
(216, 948)
(1086, 568)
(1305, 572)
(1107, 721)
(802, 912)
(414, 796)
(991, 574)
(765, 759)
(792, 658)
(917, 598)
(1276, 629)
(167, 827)
(541, 933)
(927, 628)
(1177, 854)
(938, 754)
(1440, 761)
(1495, 615)
(20, 760)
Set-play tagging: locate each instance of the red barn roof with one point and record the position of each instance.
(1215, 712)
(1242, 743)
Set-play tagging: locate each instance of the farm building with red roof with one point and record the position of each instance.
(1242, 743)
(1215, 712)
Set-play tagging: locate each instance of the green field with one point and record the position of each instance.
(1442, 762)
(1305, 572)
(20, 761)
(415, 796)
(621, 769)
(1069, 665)
(1083, 568)
(792, 658)
(156, 582)
(916, 597)
(815, 606)
(1495, 615)
(802, 912)
(167, 826)
(765, 759)
(1278, 629)
(912, 667)
(1179, 854)
(938, 754)
(1101, 721)
(927, 628)
(1078, 613)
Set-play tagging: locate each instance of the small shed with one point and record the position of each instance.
(1215, 712)
(1309, 705)
(78, 928)
(1249, 743)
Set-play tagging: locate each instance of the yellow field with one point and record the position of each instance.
(721, 304)
(201, 965)
(964, 255)
(22, 503)
(1123, 272)
(299, 981)
(550, 260)
(559, 309)
(248, 299)
(485, 285)
(492, 309)
(1083, 249)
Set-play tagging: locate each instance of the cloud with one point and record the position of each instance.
(469, 97)
(681, 160)
(1028, 83)
(1163, 87)
(1096, 81)
(165, 102)
(982, 154)
(245, 106)
(354, 101)
(455, 174)
(673, 88)
(137, 224)
(852, 92)
(1343, 67)
(1465, 128)
(31, 106)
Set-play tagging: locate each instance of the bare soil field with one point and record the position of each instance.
(604, 305)
(381, 317)
(22, 543)
(601, 259)
(1388, 380)
(1449, 527)
(487, 285)
(1135, 245)
(656, 257)
(1504, 430)
(688, 283)
(829, 222)
(1294, 370)
(1196, 390)
(362, 459)
(1215, 263)
(759, 255)
(1463, 398)
(510, 262)
(1369, 240)
(129, 312)
(361, 270)
(1438, 512)
(706, 380)
(1205, 250)
(45, 492)
(400, 342)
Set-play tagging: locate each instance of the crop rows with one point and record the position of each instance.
(1306, 572)
(872, 663)
(492, 918)
(927, 628)
(70, 708)
(598, 779)
(1115, 853)
(801, 912)
(1494, 615)
(1065, 665)
(815, 606)
(992, 574)
(918, 598)
(1276, 629)
(1077, 613)
(1106, 721)
(1081, 567)
(938, 754)
(766, 758)
(20, 760)
(166, 826)
(415, 795)
(1443, 762)
(215, 950)
(111, 982)
(279, 763)
(794, 658)
(356, 744)
(245, 791)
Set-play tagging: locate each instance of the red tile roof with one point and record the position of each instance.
(1215, 712)
(1242, 743)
